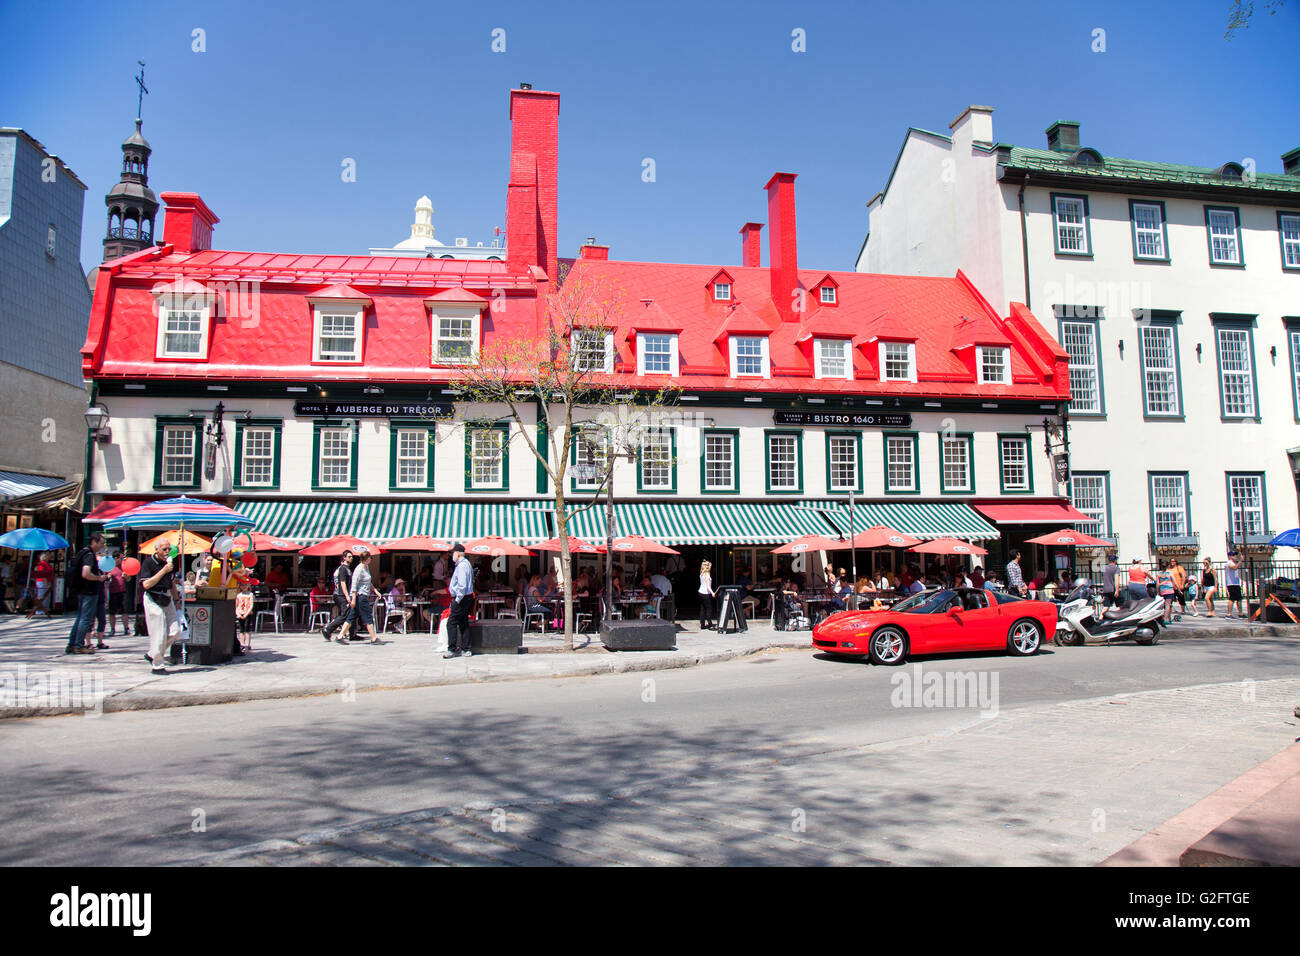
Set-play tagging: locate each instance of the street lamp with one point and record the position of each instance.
(97, 422)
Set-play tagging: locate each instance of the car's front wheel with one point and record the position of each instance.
(1024, 638)
(888, 646)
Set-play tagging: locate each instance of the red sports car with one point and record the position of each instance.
(936, 622)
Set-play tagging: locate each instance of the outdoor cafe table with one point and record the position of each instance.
(418, 605)
(488, 603)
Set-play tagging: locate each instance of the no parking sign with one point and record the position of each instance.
(200, 617)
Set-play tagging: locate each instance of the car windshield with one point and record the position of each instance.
(926, 602)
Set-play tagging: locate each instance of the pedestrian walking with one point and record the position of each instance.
(43, 581)
(161, 598)
(1015, 576)
(1209, 586)
(1138, 577)
(1108, 576)
(83, 582)
(343, 606)
(1165, 588)
(363, 595)
(1232, 578)
(461, 589)
(1180, 583)
(707, 592)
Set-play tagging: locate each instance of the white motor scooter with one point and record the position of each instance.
(1077, 620)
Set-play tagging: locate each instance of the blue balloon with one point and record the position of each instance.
(106, 563)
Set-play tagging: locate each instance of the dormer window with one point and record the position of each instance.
(337, 334)
(833, 358)
(722, 291)
(749, 356)
(994, 365)
(656, 353)
(897, 362)
(184, 318)
(828, 294)
(592, 350)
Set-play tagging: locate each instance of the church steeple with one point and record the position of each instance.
(132, 205)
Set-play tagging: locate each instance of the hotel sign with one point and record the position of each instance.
(325, 409)
(852, 419)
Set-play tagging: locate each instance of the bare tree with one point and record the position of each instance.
(1241, 11)
(565, 370)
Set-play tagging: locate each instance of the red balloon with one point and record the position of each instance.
(253, 582)
(130, 567)
(249, 559)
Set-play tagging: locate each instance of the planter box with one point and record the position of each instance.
(649, 635)
(496, 637)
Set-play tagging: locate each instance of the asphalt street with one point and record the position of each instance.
(785, 757)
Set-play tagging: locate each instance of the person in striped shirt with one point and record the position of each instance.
(1015, 577)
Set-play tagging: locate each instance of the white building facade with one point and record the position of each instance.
(1175, 291)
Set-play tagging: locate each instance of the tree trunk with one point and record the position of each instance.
(562, 527)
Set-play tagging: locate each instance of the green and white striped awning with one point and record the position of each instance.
(731, 522)
(308, 522)
(936, 519)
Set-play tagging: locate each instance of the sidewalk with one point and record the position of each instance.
(38, 679)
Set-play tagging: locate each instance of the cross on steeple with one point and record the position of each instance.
(139, 81)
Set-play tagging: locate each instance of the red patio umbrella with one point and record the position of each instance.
(576, 546)
(418, 542)
(494, 546)
(638, 544)
(881, 536)
(267, 542)
(1067, 538)
(811, 542)
(337, 545)
(948, 546)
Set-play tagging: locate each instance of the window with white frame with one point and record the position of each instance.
(592, 350)
(834, 358)
(900, 463)
(1149, 231)
(412, 458)
(486, 458)
(455, 339)
(722, 291)
(1088, 495)
(1080, 341)
(749, 355)
(783, 462)
(719, 461)
(335, 457)
(1071, 214)
(1159, 369)
(657, 461)
(1246, 502)
(1169, 506)
(258, 449)
(1222, 225)
(994, 365)
(338, 336)
(842, 462)
(828, 294)
(1015, 463)
(182, 329)
(1288, 227)
(1295, 368)
(955, 455)
(590, 448)
(656, 353)
(897, 362)
(1236, 373)
(178, 455)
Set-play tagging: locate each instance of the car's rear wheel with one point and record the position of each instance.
(1024, 638)
(888, 646)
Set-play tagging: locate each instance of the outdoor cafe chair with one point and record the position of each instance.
(391, 611)
(607, 613)
(650, 611)
(274, 615)
(522, 607)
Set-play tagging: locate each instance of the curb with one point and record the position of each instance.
(618, 665)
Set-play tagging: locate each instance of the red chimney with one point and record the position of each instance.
(783, 254)
(534, 164)
(592, 251)
(187, 222)
(751, 244)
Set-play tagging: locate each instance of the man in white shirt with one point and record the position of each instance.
(661, 583)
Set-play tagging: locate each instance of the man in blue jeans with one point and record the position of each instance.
(85, 571)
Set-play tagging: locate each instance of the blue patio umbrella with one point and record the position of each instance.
(1287, 539)
(31, 539)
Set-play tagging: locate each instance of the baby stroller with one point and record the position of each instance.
(788, 615)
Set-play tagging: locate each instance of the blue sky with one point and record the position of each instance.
(260, 123)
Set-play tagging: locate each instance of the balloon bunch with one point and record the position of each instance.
(235, 561)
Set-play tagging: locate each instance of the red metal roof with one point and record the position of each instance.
(1031, 513)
